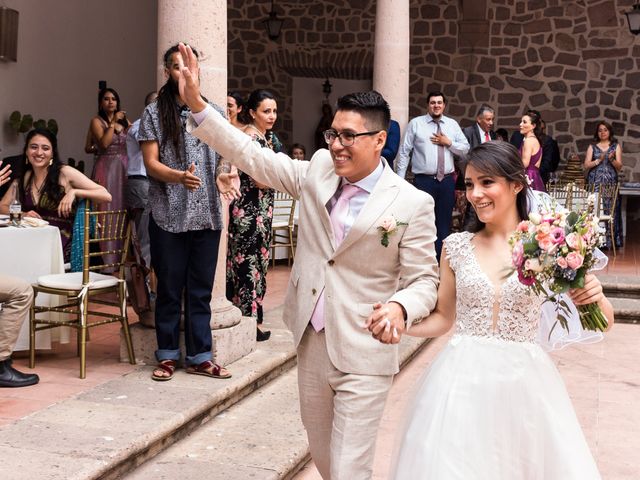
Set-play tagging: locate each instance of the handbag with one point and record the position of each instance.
(136, 273)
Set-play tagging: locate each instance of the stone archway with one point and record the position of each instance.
(349, 65)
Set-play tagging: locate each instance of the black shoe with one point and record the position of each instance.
(262, 336)
(10, 377)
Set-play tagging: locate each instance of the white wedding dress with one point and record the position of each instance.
(492, 406)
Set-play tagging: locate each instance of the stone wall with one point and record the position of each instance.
(574, 60)
(332, 38)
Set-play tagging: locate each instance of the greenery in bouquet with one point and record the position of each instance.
(552, 253)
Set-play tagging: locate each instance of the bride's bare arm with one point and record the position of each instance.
(441, 319)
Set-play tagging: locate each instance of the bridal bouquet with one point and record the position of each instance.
(552, 252)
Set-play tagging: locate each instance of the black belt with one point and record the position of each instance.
(137, 177)
(428, 175)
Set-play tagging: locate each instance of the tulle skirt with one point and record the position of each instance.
(489, 409)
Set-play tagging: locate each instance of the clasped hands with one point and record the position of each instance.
(386, 322)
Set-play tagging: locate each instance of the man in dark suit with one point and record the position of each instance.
(392, 144)
(476, 134)
(482, 130)
(550, 154)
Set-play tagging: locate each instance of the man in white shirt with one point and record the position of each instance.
(430, 143)
(137, 187)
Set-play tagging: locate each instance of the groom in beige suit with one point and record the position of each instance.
(365, 255)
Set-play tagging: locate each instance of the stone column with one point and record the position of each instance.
(203, 24)
(391, 56)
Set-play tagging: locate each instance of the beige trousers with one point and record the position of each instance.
(16, 296)
(340, 411)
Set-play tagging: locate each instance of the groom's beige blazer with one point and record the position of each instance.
(360, 271)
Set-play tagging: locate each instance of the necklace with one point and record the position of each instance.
(267, 141)
(36, 190)
(260, 134)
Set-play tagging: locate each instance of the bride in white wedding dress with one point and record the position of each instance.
(492, 406)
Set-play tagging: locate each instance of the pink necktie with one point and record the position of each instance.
(440, 168)
(486, 137)
(339, 216)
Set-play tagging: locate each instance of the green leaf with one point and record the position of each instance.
(563, 321)
(562, 285)
(385, 239)
(530, 248)
(552, 329)
(40, 123)
(578, 282)
(572, 218)
(26, 123)
(14, 120)
(52, 125)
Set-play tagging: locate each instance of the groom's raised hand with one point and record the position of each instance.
(189, 79)
(386, 322)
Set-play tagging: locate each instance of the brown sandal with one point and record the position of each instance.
(209, 369)
(167, 366)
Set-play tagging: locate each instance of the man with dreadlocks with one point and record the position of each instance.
(185, 227)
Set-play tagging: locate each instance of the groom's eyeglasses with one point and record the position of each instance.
(346, 139)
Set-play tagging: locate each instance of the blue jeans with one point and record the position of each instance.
(185, 263)
(443, 194)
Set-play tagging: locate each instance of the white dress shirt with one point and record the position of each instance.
(483, 137)
(136, 163)
(424, 154)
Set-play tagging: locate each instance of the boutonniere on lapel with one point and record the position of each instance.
(388, 226)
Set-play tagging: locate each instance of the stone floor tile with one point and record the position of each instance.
(194, 468)
(22, 463)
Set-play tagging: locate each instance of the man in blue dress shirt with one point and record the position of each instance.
(429, 144)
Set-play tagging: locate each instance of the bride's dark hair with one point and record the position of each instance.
(499, 159)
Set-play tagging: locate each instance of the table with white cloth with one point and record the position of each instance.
(28, 253)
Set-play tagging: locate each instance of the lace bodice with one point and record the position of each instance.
(519, 309)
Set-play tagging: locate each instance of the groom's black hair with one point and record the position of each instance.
(371, 105)
(502, 160)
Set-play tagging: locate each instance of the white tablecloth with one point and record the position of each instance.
(28, 253)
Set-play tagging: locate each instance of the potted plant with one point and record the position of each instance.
(20, 123)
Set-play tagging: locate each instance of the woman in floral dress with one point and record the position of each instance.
(603, 161)
(250, 218)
